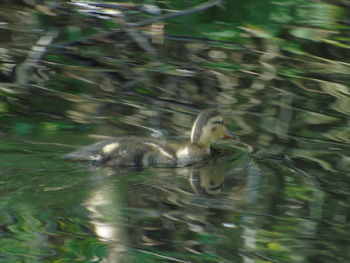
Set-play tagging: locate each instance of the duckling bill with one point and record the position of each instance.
(139, 151)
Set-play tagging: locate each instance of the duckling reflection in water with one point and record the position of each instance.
(207, 181)
(143, 152)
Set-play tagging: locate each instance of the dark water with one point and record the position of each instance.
(279, 72)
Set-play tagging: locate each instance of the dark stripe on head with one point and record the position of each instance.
(218, 122)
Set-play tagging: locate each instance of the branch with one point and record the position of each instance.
(195, 9)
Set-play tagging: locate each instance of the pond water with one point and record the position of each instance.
(74, 72)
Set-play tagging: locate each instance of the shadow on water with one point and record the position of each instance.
(74, 72)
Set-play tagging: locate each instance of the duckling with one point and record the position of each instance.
(144, 152)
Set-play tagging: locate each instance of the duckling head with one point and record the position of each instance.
(207, 129)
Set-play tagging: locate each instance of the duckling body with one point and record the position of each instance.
(139, 151)
(144, 152)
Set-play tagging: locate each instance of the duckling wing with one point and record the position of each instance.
(139, 152)
(90, 152)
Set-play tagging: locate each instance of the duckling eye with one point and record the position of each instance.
(214, 129)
